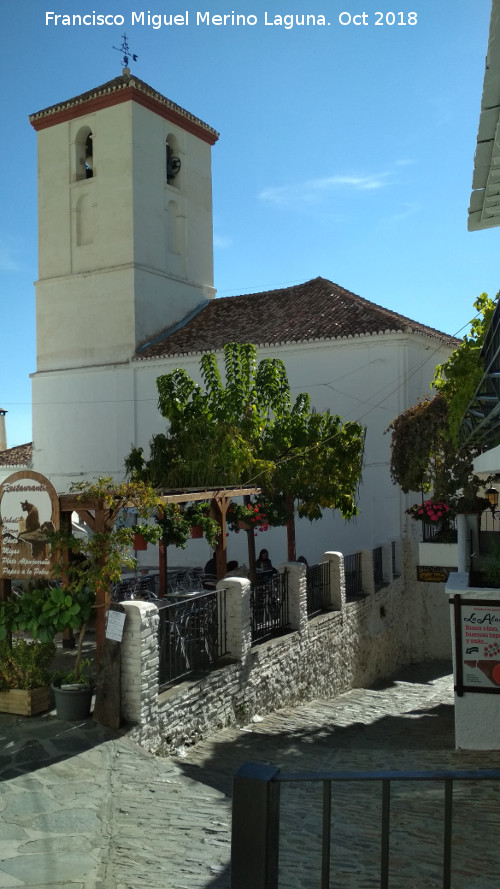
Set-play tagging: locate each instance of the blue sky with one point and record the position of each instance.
(345, 150)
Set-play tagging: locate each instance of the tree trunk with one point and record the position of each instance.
(290, 530)
(251, 546)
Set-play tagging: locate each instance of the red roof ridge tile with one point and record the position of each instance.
(116, 84)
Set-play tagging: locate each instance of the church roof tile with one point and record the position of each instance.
(315, 310)
(18, 456)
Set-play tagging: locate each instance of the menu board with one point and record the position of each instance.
(477, 644)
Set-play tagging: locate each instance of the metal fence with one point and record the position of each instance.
(192, 635)
(318, 588)
(353, 580)
(378, 572)
(395, 568)
(255, 846)
(269, 607)
(440, 533)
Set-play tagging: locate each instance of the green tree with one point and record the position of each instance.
(458, 378)
(425, 452)
(248, 431)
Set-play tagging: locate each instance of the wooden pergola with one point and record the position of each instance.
(96, 515)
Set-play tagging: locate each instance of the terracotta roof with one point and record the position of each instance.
(18, 456)
(121, 88)
(315, 310)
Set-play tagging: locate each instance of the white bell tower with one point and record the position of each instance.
(124, 221)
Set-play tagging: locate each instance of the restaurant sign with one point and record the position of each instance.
(29, 512)
(432, 574)
(477, 644)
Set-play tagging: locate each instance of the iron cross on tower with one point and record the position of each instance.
(124, 48)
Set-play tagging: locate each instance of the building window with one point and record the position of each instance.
(84, 149)
(173, 161)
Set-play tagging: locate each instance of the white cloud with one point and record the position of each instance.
(314, 191)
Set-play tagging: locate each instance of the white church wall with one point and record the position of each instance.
(106, 410)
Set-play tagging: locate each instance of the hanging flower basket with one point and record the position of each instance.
(140, 542)
(430, 512)
(196, 531)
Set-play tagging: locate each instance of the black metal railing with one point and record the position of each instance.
(445, 532)
(378, 567)
(318, 588)
(269, 606)
(191, 636)
(353, 579)
(140, 587)
(255, 845)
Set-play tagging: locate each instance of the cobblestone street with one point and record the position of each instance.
(81, 808)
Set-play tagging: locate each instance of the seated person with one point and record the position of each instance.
(234, 570)
(264, 563)
(211, 567)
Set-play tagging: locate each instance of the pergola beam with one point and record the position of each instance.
(96, 514)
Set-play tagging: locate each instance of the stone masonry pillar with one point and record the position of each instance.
(367, 580)
(140, 663)
(238, 626)
(337, 579)
(297, 594)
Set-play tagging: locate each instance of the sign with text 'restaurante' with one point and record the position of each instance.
(29, 512)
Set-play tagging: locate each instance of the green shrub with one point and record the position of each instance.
(26, 665)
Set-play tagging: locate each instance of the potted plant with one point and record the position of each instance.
(73, 690)
(242, 517)
(436, 514)
(258, 514)
(43, 612)
(198, 515)
(71, 608)
(25, 676)
(175, 528)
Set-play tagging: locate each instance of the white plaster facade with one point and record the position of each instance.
(100, 412)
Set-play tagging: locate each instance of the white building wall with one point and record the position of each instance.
(113, 264)
(86, 421)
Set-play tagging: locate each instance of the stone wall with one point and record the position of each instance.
(352, 644)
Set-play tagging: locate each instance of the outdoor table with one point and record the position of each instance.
(187, 594)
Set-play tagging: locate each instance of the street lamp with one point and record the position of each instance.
(492, 496)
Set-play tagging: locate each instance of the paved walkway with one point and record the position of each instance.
(82, 808)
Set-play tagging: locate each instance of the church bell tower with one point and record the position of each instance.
(124, 221)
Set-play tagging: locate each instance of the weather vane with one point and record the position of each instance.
(124, 48)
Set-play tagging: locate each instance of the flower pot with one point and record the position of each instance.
(72, 701)
(196, 531)
(243, 526)
(140, 542)
(25, 702)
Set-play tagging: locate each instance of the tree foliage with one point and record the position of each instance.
(249, 431)
(425, 454)
(458, 378)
